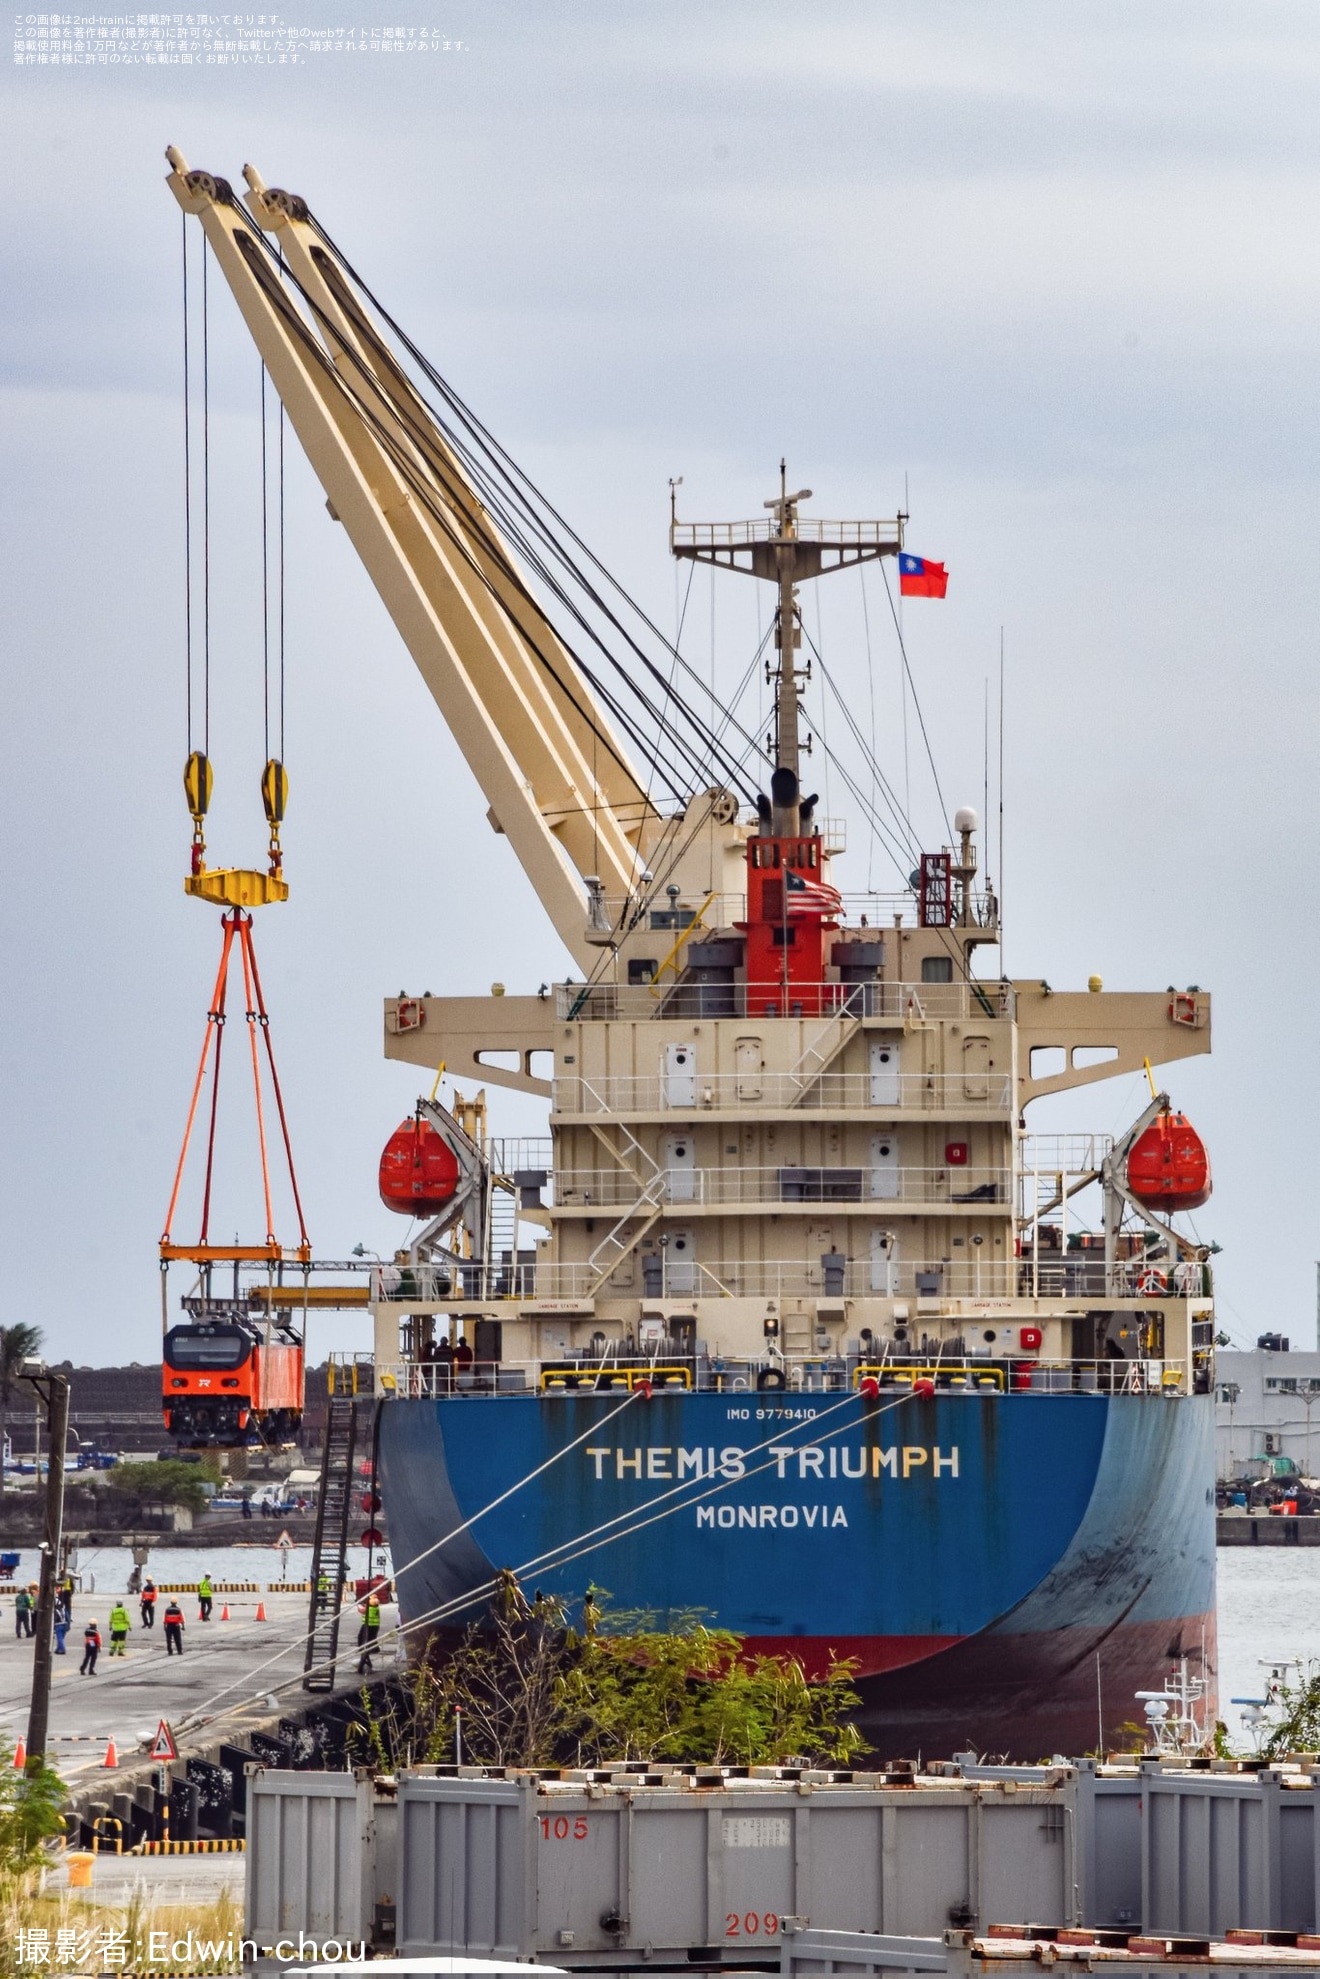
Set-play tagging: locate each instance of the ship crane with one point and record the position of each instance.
(556, 778)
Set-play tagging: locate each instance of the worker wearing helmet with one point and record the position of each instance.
(91, 1649)
(173, 1620)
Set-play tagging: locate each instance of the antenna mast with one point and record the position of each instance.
(786, 551)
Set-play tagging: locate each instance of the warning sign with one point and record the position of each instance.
(164, 1748)
(284, 1539)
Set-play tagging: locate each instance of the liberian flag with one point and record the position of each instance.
(812, 896)
(918, 577)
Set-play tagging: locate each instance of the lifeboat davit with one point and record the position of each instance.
(1168, 1168)
(418, 1170)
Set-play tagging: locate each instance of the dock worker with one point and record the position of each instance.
(173, 1620)
(205, 1596)
(119, 1628)
(91, 1649)
(147, 1604)
(64, 1597)
(61, 1628)
(23, 1606)
(369, 1630)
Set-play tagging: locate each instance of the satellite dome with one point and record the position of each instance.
(966, 819)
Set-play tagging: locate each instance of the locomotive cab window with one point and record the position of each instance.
(206, 1347)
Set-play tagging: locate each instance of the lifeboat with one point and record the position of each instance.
(1168, 1168)
(418, 1170)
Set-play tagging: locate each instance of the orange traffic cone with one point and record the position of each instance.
(111, 1756)
(20, 1753)
(224, 1613)
(261, 1611)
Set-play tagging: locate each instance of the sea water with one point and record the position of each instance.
(105, 1569)
(1269, 1611)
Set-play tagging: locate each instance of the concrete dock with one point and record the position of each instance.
(1267, 1529)
(227, 1672)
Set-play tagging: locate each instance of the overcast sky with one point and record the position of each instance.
(1052, 268)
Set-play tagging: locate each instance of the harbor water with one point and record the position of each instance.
(105, 1569)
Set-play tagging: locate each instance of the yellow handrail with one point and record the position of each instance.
(876, 1369)
(684, 933)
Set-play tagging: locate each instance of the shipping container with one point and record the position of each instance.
(311, 1856)
(629, 1868)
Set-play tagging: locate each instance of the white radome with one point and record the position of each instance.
(966, 819)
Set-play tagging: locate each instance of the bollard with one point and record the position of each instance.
(107, 1833)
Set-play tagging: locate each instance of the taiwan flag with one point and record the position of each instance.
(918, 577)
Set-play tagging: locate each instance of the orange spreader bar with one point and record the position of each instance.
(235, 924)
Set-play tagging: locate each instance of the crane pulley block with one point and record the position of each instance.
(236, 886)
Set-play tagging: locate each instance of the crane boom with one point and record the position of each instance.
(554, 775)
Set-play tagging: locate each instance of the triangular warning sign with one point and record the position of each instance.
(284, 1539)
(164, 1748)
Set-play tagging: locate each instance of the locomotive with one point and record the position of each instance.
(231, 1382)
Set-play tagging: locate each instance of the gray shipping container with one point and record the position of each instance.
(311, 1856)
(1230, 1851)
(605, 1874)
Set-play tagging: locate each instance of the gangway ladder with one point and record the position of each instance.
(346, 1418)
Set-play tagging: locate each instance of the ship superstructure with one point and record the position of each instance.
(786, 1127)
(783, 1319)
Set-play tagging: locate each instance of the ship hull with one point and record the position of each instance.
(1004, 1571)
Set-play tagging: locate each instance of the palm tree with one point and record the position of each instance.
(18, 1343)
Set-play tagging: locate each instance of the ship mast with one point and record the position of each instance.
(785, 551)
(788, 639)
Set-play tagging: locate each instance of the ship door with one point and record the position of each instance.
(884, 1075)
(748, 1062)
(680, 1263)
(976, 1068)
(679, 1075)
(680, 1168)
(884, 1263)
(884, 1168)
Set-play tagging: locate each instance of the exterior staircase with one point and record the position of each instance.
(347, 1428)
(822, 1051)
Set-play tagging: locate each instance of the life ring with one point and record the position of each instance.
(771, 1377)
(1152, 1284)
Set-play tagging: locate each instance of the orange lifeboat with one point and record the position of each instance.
(418, 1170)
(1168, 1168)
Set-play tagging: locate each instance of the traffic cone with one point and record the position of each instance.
(224, 1613)
(20, 1754)
(111, 1756)
(261, 1611)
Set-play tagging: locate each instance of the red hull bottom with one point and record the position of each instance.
(1020, 1697)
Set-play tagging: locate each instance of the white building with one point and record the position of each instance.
(1268, 1405)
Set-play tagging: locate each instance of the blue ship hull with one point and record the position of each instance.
(1005, 1570)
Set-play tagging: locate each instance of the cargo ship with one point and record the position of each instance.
(788, 1320)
